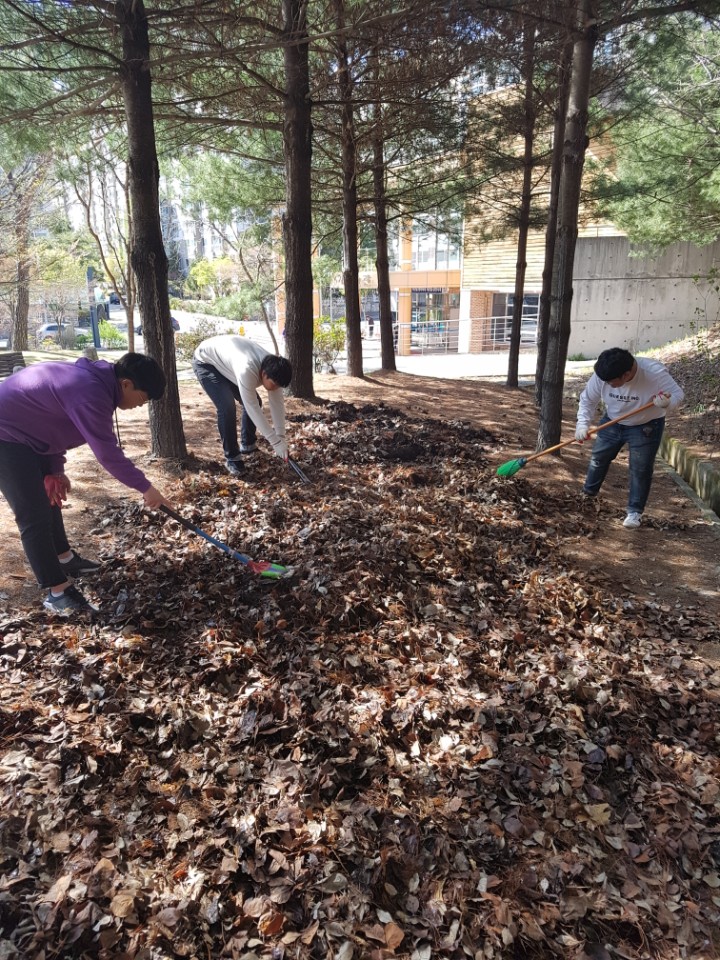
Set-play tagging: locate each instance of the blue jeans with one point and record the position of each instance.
(643, 441)
(22, 482)
(224, 393)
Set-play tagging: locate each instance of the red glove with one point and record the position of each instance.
(57, 486)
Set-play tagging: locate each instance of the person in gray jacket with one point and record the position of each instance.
(624, 383)
(232, 368)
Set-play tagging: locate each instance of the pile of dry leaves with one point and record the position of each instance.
(432, 740)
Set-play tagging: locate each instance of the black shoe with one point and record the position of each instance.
(70, 601)
(79, 567)
(234, 467)
(248, 448)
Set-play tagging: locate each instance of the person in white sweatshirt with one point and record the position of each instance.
(624, 384)
(231, 368)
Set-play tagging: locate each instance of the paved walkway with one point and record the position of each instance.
(447, 366)
(458, 366)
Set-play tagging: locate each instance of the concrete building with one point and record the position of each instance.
(621, 297)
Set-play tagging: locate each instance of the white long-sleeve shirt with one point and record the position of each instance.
(239, 359)
(651, 378)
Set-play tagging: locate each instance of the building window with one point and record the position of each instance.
(501, 323)
(423, 247)
(433, 248)
(428, 308)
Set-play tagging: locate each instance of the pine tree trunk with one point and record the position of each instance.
(382, 260)
(19, 333)
(129, 276)
(551, 231)
(147, 254)
(575, 145)
(297, 219)
(525, 201)
(350, 233)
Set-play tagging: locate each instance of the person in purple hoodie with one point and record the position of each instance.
(45, 410)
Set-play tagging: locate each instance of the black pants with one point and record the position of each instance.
(22, 473)
(224, 393)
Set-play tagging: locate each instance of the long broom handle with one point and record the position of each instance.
(566, 443)
(206, 536)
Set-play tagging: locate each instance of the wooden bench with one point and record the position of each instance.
(10, 360)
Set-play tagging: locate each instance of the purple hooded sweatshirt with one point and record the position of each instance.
(53, 407)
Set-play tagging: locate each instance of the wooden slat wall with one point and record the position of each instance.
(491, 266)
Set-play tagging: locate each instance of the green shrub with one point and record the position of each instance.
(198, 306)
(235, 307)
(328, 342)
(187, 343)
(110, 336)
(83, 340)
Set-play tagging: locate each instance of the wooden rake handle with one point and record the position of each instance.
(566, 443)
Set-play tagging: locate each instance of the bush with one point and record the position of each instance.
(328, 341)
(187, 343)
(83, 340)
(235, 307)
(110, 336)
(197, 306)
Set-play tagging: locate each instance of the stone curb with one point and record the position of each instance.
(702, 475)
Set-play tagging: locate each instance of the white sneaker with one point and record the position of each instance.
(632, 520)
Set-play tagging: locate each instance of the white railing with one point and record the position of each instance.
(429, 336)
(478, 335)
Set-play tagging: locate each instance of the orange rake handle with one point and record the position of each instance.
(566, 443)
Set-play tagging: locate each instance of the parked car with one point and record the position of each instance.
(50, 331)
(114, 298)
(173, 321)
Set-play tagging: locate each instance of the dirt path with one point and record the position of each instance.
(671, 561)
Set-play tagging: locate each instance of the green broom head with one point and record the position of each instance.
(510, 468)
(272, 571)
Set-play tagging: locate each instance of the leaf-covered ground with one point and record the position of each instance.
(433, 740)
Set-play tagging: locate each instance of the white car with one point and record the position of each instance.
(50, 331)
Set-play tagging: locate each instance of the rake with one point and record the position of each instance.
(264, 568)
(295, 467)
(512, 467)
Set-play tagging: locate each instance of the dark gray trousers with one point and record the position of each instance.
(42, 531)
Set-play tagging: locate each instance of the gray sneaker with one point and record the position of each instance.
(70, 601)
(79, 567)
